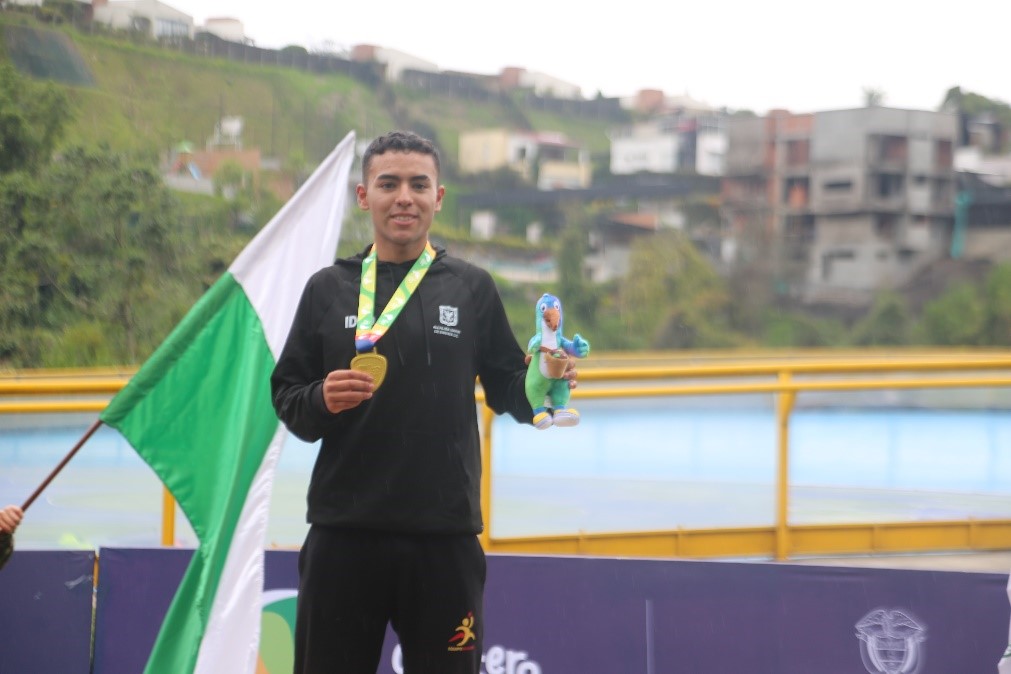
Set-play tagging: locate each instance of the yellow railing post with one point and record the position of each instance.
(168, 518)
(487, 417)
(784, 405)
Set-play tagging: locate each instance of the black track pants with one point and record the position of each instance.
(351, 583)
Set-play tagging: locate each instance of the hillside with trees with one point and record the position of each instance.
(99, 259)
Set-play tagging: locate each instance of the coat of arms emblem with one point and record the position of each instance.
(891, 642)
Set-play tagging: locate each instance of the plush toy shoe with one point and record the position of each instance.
(566, 417)
(542, 420)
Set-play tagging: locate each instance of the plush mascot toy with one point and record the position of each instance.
(549, 358)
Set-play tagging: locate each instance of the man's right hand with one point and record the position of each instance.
(346, 389)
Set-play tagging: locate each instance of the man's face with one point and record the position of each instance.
(403, 194)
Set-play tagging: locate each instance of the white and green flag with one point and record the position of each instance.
(199, 413)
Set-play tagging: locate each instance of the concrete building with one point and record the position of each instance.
(670, 143)
(151, 17)
(540, 83)
(657, 102)
(226, 28)
(628, 209)
(847, 202)
(548, 160)
(611, 239)
(991, 168)
(396, 62)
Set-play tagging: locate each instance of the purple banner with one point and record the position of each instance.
(136, 588)
(561, 615)
(606, 615)
(45, 611)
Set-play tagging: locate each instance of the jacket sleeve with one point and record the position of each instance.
(501, 366)
(297, 381)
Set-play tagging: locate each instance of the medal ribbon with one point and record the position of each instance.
(369, 330)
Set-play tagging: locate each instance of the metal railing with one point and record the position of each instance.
(784, 376)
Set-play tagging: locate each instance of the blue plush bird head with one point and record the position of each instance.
(549, 311)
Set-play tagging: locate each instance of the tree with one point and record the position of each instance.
(672, 298)
(296, 169)
(234, 183)
(28, 254)
(58, 11)
(116, 248)
(997, 298)
(230, 179)
(571, 249)
(886, 324)
(873, 97)
(785, 328)
(32, 120)
(968, 105)
(956, 318)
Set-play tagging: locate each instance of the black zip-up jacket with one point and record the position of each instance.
(407, 460)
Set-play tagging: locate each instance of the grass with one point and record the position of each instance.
(148, 98)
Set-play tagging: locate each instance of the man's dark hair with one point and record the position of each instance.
(398, 141)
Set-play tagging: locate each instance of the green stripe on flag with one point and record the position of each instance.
(199, 413)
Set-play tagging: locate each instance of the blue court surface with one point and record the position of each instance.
(630, 465)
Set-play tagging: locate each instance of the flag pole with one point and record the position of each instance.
(56, 471)
(7, 539)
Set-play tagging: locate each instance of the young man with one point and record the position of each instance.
(388, 384)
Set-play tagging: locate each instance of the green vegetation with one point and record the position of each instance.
(148, 98)
(969, 103)
(445, 119)
(99, 260)
(592, 134)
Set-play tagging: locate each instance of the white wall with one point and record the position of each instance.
(711, 153)
(226, 28)
(397, 62)
(655, 153)
(546, 85)
(165, 21)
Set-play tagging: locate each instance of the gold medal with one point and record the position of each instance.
(369, 329)
(372, 362)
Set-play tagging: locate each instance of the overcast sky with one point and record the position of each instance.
(801, 55)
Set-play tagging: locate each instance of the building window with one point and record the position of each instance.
(798, 237)
(893, 148)
(169, 28)
(889, 185)
(839, 186)
(830, 258)
(944, 154)
(798, 152)
(886, 226)
(795, 192)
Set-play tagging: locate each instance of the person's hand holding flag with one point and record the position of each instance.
(10, 518)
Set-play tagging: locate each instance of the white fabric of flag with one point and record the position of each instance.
(199, 413)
